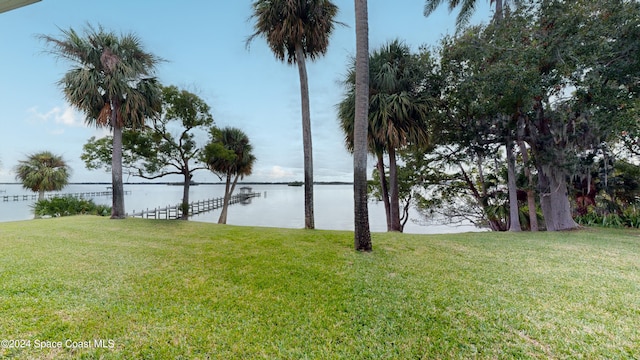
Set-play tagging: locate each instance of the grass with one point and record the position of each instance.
(150, 289)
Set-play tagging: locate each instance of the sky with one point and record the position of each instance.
(203, 43)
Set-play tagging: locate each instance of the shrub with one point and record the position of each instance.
(629, 217)
(68, 206)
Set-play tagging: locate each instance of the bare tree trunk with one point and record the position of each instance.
(554, 200)
(384, 189)
(185, 195)
(404, 217)
(514, 211)
(394, 193)
(531, 194)
(309, 222)
(552, 182)
(362, 234)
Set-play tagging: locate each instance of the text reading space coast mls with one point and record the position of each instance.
(49, 344)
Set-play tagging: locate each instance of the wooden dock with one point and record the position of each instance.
(80, 195)
(195, 208)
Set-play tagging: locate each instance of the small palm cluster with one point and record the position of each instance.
(229, 154)
(42, 172)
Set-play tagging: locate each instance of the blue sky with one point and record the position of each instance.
(203, 42)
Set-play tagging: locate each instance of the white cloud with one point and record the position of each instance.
(278, 172)
(66, 116)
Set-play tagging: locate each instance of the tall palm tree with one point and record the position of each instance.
(42, 172)
(111, 83)
(362, 233)
(347, 117)
(397, 110)
(229, 154)
(296, 30)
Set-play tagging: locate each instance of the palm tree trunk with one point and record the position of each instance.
(309, 222)
(514, 213)
(117, 186)
(384, 189)
(499, 15)
(394, 197)
(227, 199)
(225, 203)
(40, 194)
(362, 234)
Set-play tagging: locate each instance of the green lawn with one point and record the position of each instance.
(186, 290)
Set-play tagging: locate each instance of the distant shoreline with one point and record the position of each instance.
(173, 183)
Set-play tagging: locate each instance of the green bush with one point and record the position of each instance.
(629, 217)
(68, 206)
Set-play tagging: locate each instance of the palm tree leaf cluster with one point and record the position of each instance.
(42, 172)
(229, 154)
(467, 8)
(286, 24)
(398, 106)
(110, 73)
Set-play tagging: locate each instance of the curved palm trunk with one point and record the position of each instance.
(362, 234)
(384, 189)
(228, 190)
(117, 186)
(514, 213)
(394, 192)
(309, 222)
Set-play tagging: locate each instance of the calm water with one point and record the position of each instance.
(278, 206)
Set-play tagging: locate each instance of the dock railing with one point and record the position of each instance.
(78, 195)
(195, 208)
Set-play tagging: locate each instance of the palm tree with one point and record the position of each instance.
(296, 30)
(229, 154)
(346, 115)
(111, 84)
(362, 233)
(42, 172)
(467, 7)
(397, 110)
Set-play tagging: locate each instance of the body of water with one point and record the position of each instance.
(277, 206)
